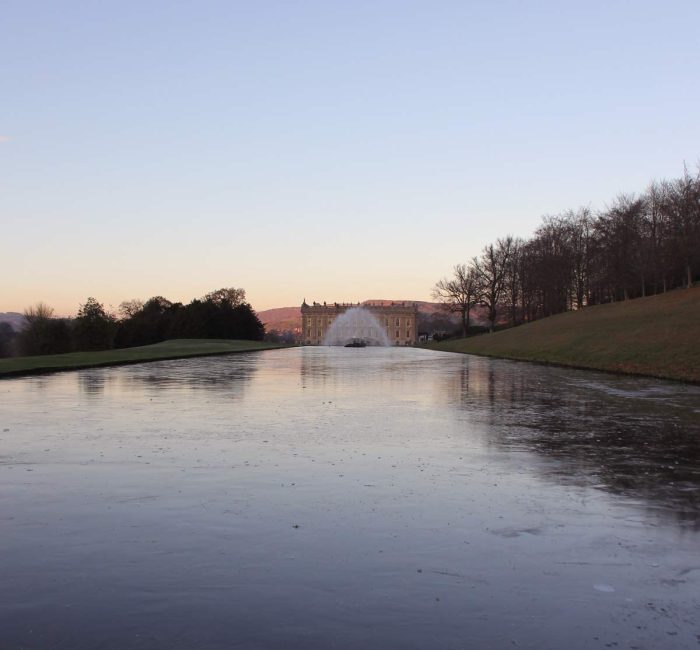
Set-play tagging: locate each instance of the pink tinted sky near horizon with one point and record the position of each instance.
(332, 151)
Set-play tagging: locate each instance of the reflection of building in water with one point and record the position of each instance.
(398, 319)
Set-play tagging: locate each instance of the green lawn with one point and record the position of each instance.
(175, 349)
(657, 336)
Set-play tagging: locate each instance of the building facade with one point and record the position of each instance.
(398, 320)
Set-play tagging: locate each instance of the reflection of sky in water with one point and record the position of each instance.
(437, 497)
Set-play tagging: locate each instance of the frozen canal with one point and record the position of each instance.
(348, 498)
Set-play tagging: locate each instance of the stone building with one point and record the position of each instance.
(398, 319)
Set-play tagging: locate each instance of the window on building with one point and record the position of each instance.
(398, 322)
(397, 333)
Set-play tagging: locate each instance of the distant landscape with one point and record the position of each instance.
(288, 319)
(576, 292)
(432, 316)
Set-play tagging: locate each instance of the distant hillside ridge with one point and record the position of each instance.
(15, 319)
(281, 319)
(658, 336)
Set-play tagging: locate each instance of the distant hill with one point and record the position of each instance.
(281, 319)
(657, 336)
(13, 318)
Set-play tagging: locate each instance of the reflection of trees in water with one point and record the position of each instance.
(225, 374)
(634, 437)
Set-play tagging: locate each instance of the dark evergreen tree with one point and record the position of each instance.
(93, 328)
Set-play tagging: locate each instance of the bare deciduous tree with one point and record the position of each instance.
(580, 237)
(490, 270)
(460, 293)
(683, 207)
(129, 308)
(40, 311)
(42, 333)
(513, 280)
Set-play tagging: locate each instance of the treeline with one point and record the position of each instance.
(221, 314)
(640, 245)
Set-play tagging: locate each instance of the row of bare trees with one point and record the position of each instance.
(638, 246)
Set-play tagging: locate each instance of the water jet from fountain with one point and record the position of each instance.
(357, 327)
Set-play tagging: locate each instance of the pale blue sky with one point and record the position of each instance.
(327, 150)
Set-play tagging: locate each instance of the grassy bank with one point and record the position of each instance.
(657, 336)
(175, 349)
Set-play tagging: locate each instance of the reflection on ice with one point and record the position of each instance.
(630, 436)
(326, 497)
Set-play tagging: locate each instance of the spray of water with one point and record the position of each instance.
(356, 326)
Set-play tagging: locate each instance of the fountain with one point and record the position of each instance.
(356, 328)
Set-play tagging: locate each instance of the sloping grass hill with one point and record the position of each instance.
(174, 349)
(657, 336)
